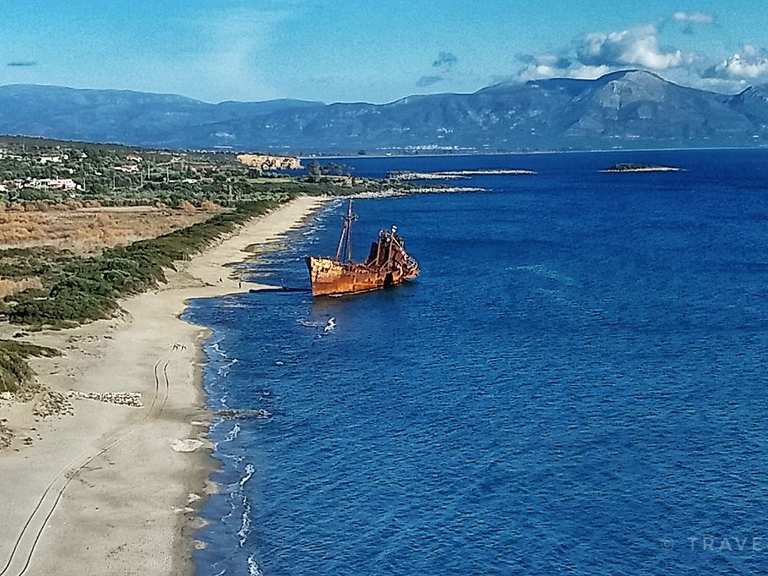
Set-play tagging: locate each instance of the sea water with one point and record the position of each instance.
(576, 384)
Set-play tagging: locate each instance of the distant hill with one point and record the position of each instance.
(628, 109)
(120, 116)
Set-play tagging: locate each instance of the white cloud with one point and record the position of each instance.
(721, 85)
(443, 67)
(634, 47)
(749, 64)
(693, 17)
(553, 65)
(220, 55)
(445, 61)
(599, 53)
(692, 20)
(232, 57)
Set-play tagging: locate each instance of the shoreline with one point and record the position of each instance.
(115, 488)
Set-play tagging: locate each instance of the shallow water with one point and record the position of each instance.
(574, 385)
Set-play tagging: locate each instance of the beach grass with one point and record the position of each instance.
(14, 369)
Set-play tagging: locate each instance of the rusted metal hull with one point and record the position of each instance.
(388, 264)
(331, 277)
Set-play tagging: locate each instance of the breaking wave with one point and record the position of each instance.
(253, 567)
(245, 522)
(249, 470)
(233, 433)
(224, 369)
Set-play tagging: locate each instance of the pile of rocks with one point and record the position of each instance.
(132, 399)
(27, 390)
(244, 414)
(52, 403)
(6, 435)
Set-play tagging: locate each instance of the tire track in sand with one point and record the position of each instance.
(31, 532)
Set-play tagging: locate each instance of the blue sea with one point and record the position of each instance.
(576, 384)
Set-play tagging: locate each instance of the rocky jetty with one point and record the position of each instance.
(458, 174)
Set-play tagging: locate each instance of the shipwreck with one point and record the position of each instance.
(388, 264)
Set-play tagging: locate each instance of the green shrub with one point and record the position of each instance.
(14, 369)
(88, 289)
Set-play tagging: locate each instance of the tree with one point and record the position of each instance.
(315, 171)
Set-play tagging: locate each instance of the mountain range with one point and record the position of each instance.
(626, 109)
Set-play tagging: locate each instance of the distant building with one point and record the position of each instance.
(8, 155)
(128, 168)
(52, 159)
(52, 184)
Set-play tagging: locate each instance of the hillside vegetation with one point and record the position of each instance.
(45, 175)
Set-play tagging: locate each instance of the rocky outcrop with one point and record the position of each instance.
(243, 414)
(265, 162)
(6, 435)
(52, 403)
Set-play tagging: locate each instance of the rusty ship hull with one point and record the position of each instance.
(330, 277)
(388, 264)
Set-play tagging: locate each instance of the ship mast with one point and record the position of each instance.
(345, 242)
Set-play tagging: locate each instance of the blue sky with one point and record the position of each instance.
(347, 50)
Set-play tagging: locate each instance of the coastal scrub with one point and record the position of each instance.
(14, 370)
(86, 289)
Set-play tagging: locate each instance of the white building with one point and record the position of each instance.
(52, 184)
(128, 168)
(52, 159)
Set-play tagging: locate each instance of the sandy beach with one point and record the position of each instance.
(108, 488)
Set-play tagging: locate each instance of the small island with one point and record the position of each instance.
(630, 167)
